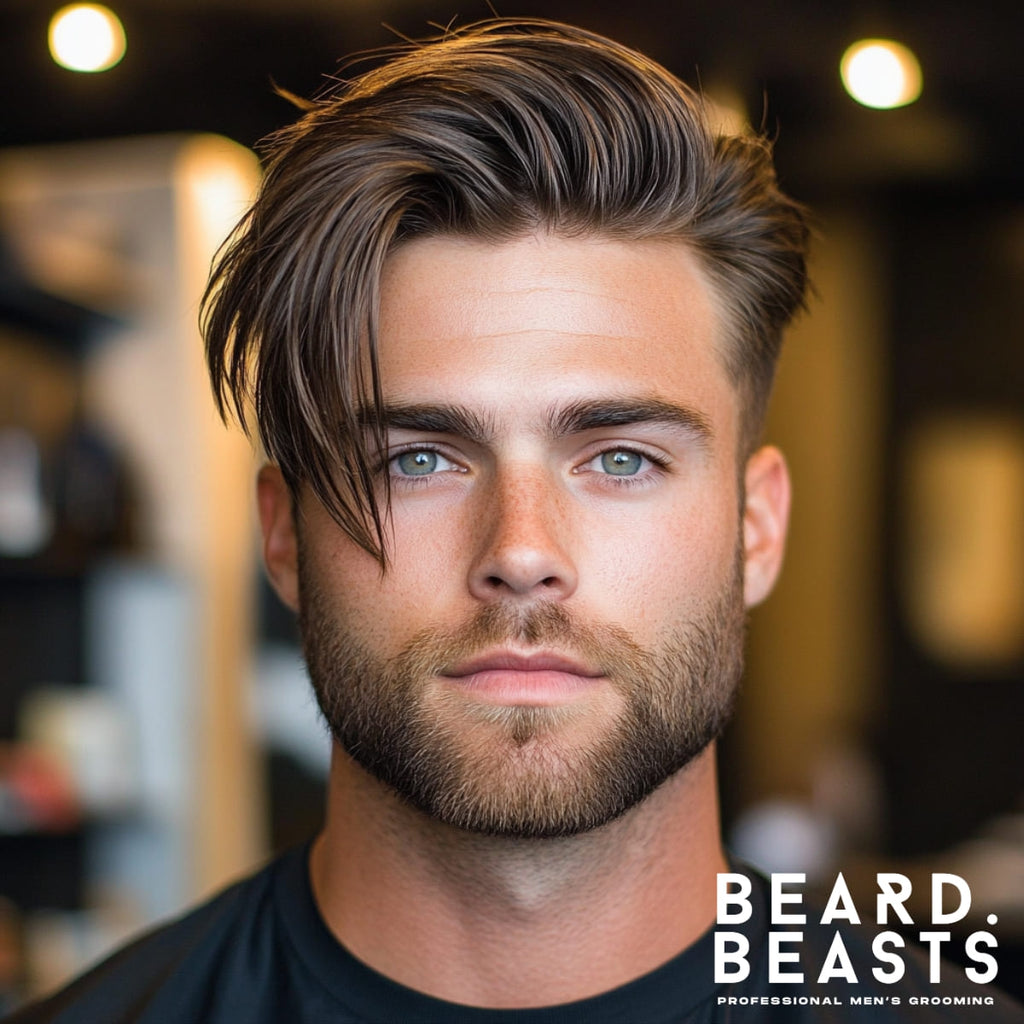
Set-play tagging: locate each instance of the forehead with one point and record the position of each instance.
(546, 316)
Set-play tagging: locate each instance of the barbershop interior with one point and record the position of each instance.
(158, 736)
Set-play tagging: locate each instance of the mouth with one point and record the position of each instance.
(525, 678)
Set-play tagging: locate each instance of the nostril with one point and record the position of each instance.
(522, 570)
(499, 583)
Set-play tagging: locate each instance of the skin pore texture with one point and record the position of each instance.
(561, 617)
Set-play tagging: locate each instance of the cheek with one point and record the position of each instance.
(660, 568)
(423, 569)
(429, 552)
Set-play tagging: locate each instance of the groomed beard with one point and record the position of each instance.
(527, 771)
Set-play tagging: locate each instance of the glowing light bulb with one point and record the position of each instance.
(881, 73)
(86, 37)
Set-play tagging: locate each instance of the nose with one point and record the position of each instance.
(520, 543)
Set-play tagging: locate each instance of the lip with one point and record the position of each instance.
(516, 661)
(534, 678)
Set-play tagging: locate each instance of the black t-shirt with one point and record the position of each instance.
(259, 953)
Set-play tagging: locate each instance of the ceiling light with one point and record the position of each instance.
(881, 73)
(86, 37)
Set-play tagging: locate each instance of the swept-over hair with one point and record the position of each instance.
(493, 131)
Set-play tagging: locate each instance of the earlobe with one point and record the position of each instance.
(280, 541)
(765, 521)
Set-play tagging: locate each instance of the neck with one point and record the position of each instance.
(446, 912)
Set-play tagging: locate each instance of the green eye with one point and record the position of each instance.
(418, 463)
(622, 463)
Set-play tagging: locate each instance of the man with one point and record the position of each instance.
(507, 312)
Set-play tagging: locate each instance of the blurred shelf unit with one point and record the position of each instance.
(125, 536)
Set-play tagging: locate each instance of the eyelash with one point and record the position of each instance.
(415, 480)
(640, 479)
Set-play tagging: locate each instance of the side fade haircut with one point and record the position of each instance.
(493, 131)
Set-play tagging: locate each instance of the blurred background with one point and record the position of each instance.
(156, 734)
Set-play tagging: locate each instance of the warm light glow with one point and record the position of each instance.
(881, 73)
(86, 37)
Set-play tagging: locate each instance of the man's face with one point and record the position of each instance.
(560, 625)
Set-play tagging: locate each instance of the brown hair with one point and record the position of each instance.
(492, 131)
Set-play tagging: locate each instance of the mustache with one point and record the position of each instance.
(603, 645)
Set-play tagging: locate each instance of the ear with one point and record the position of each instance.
(765, 520)
(280, 541)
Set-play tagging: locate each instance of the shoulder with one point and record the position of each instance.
(181, 961)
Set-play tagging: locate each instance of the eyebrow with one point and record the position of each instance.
(434, 419)
(595, 414)
(562, 421)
